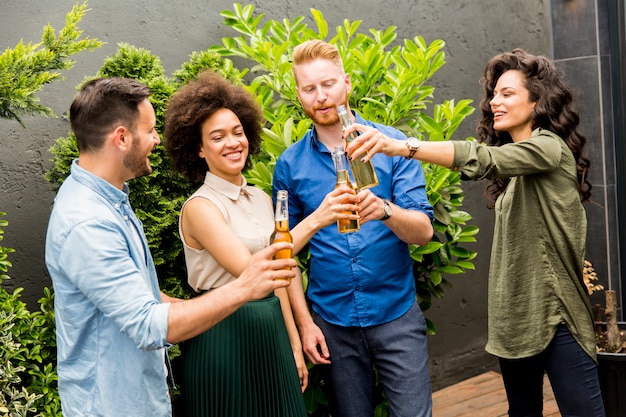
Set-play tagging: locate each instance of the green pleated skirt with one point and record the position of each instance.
(242, 367)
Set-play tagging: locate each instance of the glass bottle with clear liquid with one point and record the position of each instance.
(343, 177)
(363, 172)
(281, 225)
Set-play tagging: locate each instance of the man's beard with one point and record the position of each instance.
(329, 119)
(135, 161)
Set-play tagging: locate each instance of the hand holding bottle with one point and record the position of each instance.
(281, 225)
(363, 171)
(265, 273)
(344, 225)
(371, 207)
(370, 142)
(340, 203)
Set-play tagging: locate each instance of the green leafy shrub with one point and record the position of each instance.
(26, 68)
(13, 402)
(28, 351)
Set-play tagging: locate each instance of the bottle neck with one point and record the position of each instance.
(281, 225)
(342, 176)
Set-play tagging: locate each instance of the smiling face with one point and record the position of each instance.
(224, 145)
(143, 140)
(511, 107)
(322, 86)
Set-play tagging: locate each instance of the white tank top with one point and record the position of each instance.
(246, 209)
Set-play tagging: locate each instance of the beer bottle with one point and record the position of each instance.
(281, 225)
(341, 168)
(363, 172)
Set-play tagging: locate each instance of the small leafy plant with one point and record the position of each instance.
(27, 350)
(25, 69)
(609, 337)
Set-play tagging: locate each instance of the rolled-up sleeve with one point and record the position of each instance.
(477, 161)
(115, 283)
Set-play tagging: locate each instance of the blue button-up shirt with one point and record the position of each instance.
(363, 278)
(110, 323)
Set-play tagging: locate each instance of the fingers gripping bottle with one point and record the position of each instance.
(363, 172)
(341, 168)
(281, 225)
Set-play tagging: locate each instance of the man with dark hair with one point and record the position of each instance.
(113, 323)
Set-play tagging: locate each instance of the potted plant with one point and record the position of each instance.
(611, 348)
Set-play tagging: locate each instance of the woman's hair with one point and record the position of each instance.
(101, 105)
(191, 106)
(554, 110)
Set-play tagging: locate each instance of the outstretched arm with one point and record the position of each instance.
(373, 141)
(262, 275)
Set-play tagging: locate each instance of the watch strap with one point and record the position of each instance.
(412, 148)
(387, 210)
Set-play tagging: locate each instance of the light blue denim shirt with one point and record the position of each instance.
(355, 279)
(110, 323)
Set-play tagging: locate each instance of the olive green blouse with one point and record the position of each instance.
(535, 273)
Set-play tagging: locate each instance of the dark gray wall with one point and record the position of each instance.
(581, 50)
(473, 31)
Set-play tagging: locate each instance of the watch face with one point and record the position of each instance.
(387, 209)
(413, 142)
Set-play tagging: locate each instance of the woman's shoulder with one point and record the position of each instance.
(545, 134)
(550, 141)
(545, 139)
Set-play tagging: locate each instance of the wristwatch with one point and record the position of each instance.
(387, 209)
(413, 144)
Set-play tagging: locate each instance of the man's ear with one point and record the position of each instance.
(120, 137)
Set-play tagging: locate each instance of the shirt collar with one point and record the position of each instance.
(315, 142)
(107, 190)
(224, 187)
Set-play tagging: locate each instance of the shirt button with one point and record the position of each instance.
(354, 260)
(126, 218)
(117, 205)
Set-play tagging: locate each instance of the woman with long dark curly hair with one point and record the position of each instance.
(554, 110)
(251, 363)
(540, 317)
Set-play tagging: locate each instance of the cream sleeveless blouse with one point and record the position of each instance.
(248, 212)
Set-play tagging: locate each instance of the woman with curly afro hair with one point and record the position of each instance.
(540, 317)
(251, 363)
